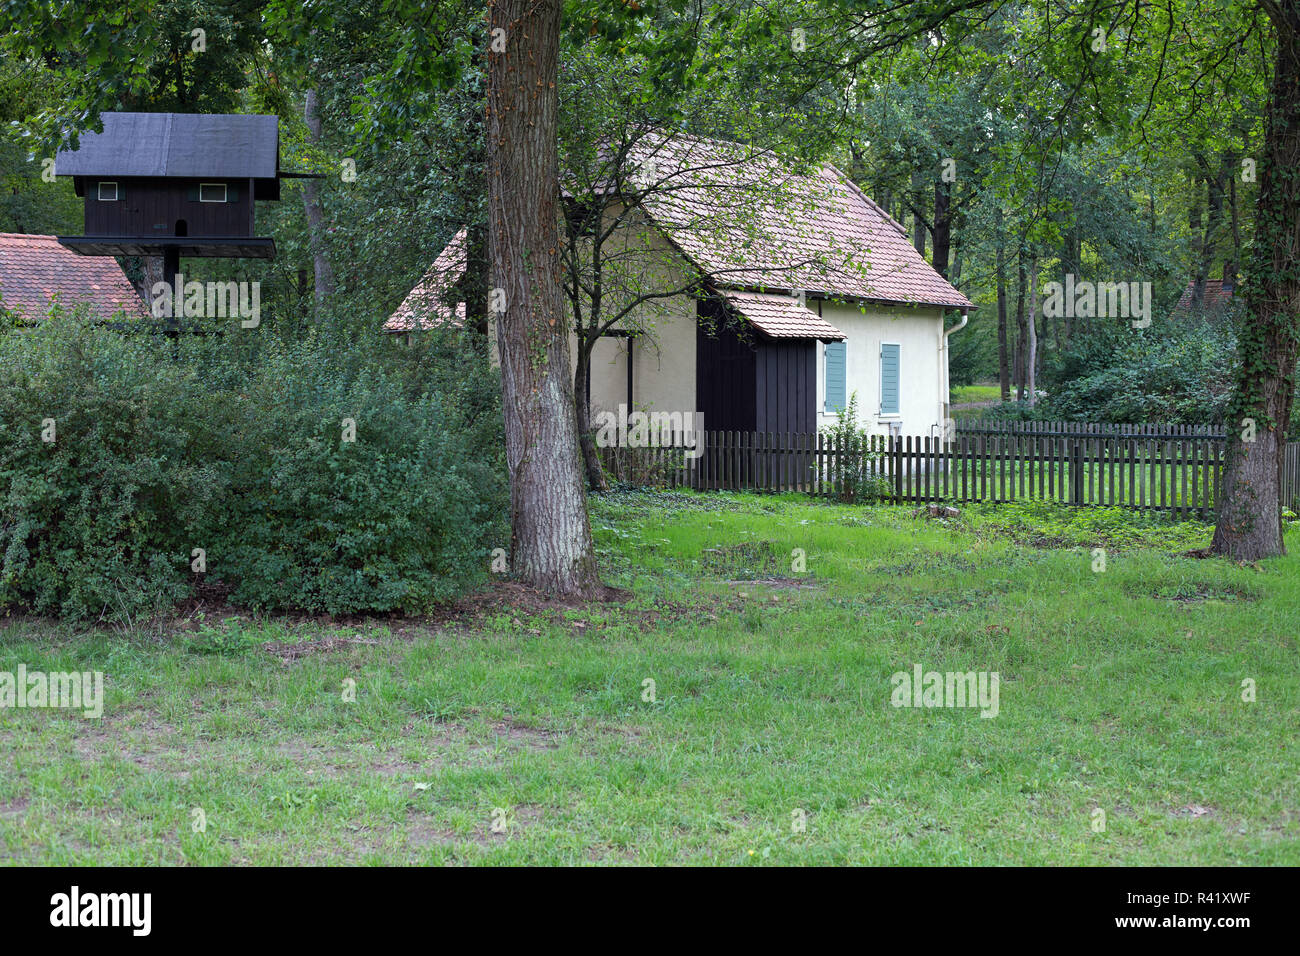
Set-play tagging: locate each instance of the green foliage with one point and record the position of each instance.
(854, 474)
(235, 446)
(1047, 524)
(1174, 371)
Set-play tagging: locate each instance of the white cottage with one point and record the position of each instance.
(784, 293)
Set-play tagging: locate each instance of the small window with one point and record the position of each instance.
(212, 192)
(889, 377)
(835, 375)
(108, 192)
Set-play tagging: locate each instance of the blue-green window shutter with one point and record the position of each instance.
(889, 379)
(835, 400)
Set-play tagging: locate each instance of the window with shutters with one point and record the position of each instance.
(108, 192)
(889, 374)
(835, 376)
(212, 192)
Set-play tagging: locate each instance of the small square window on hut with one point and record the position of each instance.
(212, 192)
(108, 192)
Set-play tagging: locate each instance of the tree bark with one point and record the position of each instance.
(942, 226)
(1032, 361)
(475, 285)
(1004, 368)
(551, 544)
(1230, 269)
(1249, 523)
(1197, 240)
(918, 221)
(1216, 185)
(315, 219)
(1022, 334)
(587, 440)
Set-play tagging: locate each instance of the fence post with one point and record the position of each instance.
(1076, 472)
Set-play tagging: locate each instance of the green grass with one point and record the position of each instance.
(1120, 691)
(960, 394)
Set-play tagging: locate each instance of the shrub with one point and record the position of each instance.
(855, 472)
(1174, 371)
(235, 445)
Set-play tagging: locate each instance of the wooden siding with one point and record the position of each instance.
(786, 386)
(725, 371)
(153, 207)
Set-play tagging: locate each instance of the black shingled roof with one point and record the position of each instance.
(189, 145)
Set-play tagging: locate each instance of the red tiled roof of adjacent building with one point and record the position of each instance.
(1218, 294)
(35, 270)
(425, 306)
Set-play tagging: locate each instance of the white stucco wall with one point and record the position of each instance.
(663, 362)
(918, 333)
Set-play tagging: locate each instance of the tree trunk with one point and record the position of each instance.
(1215, 185)
(587, 441)
(475, 286)
(551, 545)
(1032, 361)
(918, 221)
(1004, 368)
(1022, 334)
(315, 219)
(942, 226)
(1250, 522)
(1230, 269)
(1197, 240)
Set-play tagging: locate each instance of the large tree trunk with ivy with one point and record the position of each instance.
(1250, 522)
(551, 545)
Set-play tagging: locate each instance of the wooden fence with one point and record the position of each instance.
(1095, 429)
(1147, 469)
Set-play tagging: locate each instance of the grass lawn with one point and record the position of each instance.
(512, 731)
(961, 394)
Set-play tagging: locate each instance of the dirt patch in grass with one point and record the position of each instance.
(502, 596)
(420, 832)
(805, 583)
(533, 738)
(289, 653)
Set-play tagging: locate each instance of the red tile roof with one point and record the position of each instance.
(750, 221)
(36, 269)
(425, 306)
(1217, 296)
(782, 317)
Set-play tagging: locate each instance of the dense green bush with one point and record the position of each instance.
(234, 444)
(1177, 370)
